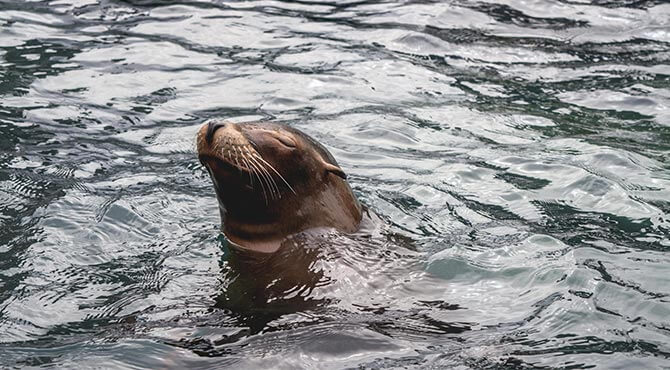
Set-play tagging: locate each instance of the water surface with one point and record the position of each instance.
(516, 155)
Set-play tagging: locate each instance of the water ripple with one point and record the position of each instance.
(513, 155)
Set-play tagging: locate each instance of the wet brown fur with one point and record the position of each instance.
(273, 181)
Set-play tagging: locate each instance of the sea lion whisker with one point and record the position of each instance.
(262, 176)
(246, 158)
(237, 162)
(274, 183)
(239, 157)
(265, 166)
(271, 183)
(254, 170)
(272, 186)
(278, 174)
(246, 164)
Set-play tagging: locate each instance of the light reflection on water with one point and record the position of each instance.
(514, 157)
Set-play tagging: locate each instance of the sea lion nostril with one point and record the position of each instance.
(211, 127)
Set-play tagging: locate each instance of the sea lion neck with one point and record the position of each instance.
(330, 207)
(252, 209)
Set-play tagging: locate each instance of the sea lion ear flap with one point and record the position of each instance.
(335, 170)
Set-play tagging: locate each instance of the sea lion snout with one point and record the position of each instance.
(212, 126)
(222, 143)
(221, 136)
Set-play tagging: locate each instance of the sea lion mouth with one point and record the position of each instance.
(209, 160)
(229, 161)
(249, 165)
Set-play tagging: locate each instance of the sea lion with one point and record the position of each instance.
(273, 181)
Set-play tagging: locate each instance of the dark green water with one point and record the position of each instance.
(516, 152)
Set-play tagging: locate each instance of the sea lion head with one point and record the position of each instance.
(273, 181)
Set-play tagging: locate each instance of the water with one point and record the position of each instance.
(515, 154)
